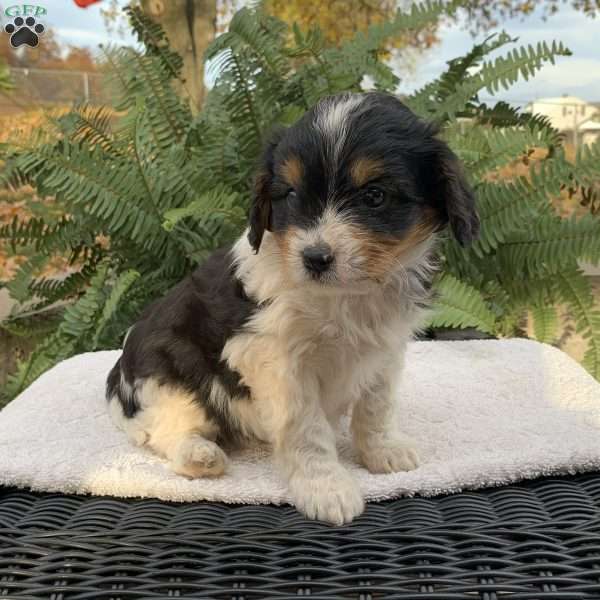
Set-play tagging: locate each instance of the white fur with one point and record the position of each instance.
(331, 119)
(174, 426)
(241, 411)
(315, 352)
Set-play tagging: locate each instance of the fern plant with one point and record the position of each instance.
(147, 190)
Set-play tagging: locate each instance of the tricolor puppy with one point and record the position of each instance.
(306, 318)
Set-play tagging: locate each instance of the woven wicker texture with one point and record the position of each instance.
(535, 540)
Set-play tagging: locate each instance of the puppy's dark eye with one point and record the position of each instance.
(291, 195)
(373, 197)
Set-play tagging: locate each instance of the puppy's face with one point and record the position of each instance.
(354, 188)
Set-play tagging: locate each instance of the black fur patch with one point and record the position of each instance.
(179, 339)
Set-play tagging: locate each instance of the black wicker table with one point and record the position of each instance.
(538, 539)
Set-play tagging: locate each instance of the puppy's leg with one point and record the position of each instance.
(306, 452)
(176, 427)
(381, 448)
(286, 399)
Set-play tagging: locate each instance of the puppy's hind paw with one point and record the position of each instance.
(390, 455)
(335, 498)
(199, 457)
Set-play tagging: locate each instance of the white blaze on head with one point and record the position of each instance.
(331, 120)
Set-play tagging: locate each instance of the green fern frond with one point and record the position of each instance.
(420, 16)
(553, 243)
(112, 195)
(251, 31)
(576, 290)
(504, 209)
(426, 100)
(33, 325)
(505, 115)
(155, 40)
(587, 163)
(360, 56)
(119, 79)
(78, 320)
(80, 317)
(144, 86)
(19, 233)
(90, 125)
(502, 72)
(18, 286)
(53, 289)
(524, 62)
(485, 149)
(165, 110)
(545, 323)
(559, 172)
(219, 200)
(112, 303)
(460, 305)
(43, 357)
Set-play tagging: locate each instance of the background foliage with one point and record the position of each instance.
(147, 190)
(5, 83)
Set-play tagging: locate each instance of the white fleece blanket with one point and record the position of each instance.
(482, 412)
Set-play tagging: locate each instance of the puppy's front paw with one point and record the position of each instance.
(390, 455)
(335, 498)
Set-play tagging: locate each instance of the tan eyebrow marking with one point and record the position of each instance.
(383, 251)
(365, 169)
(292, 171)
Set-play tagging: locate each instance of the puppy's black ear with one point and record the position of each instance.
(260, 209)
(453, 195)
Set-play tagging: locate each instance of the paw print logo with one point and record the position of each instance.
(24, 31)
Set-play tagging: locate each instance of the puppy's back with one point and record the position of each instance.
(179, 338)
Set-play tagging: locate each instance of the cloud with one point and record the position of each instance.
(82, 37)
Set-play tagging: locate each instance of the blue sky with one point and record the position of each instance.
(74, 25)
(578, 75)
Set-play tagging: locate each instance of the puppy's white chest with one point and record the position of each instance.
(345, 370)
(348, 370)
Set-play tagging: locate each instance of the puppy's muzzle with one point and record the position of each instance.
(318, 258)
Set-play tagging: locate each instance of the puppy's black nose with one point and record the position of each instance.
(317, 258)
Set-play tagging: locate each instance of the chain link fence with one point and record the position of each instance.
(36, 88)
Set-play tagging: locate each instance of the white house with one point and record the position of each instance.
(577, 119)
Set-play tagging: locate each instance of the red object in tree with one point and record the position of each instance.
(85, 3)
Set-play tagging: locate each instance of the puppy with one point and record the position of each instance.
(307, 316)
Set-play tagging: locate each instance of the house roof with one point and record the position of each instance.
(561, 100)
(589, 126)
